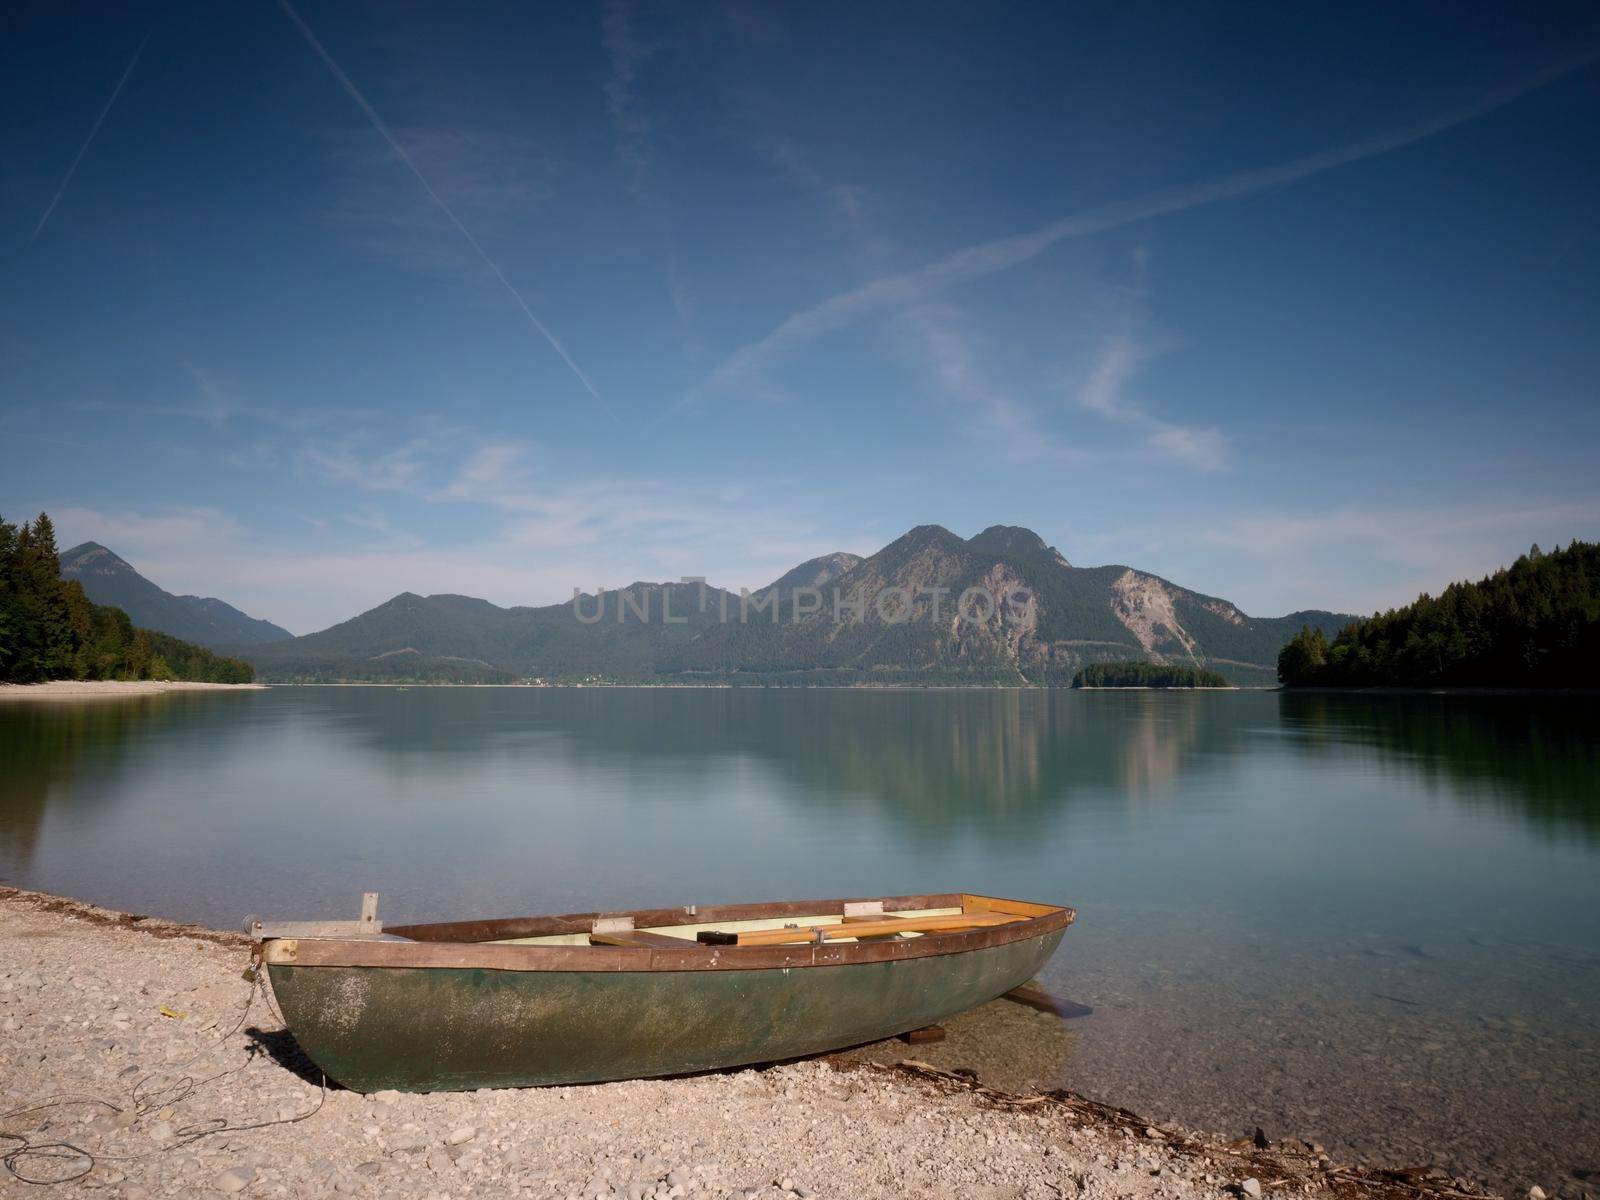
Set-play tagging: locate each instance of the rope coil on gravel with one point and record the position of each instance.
(144, 1100)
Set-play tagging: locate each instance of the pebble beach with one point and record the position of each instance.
(113, 689)
(135, 1061)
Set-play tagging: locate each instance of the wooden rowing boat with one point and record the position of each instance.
(597, 996)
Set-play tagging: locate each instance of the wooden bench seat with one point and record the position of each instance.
(869, 925)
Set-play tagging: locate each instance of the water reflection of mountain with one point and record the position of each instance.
(45, 748)
(950, 756)
(1536, 757)
(51, 749)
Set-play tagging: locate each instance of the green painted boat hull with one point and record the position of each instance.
(424, 1029)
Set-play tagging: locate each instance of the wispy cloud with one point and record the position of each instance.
(533, 538)
(383, 129)
(375, 521)
(1103, 393)
(1362, 558)
(220, 402)
(156, 534)
(1000, 254)
(627, 52)
(88, 141)
(935, 339)
(217, 401)
(543, 508)
(493, 178)
(400, 469)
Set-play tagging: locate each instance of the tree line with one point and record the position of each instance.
(50, 629)
(1535, 624)
(1146, 674)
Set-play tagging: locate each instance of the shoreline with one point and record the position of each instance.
(1380, 690)
(90, 689)
(913, 687)
(118, 1008)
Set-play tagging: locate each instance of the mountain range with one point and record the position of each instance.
(109, 579)
(678, 632)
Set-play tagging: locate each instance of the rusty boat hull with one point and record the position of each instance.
(589, 997)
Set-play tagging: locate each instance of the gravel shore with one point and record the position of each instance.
(129, 1064)
(89, 689)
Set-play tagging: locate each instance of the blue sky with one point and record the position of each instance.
(1297, 306)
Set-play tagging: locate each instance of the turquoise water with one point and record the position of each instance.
(1368, 921)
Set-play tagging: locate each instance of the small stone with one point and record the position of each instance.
(1152, 1132)
(1536, 1192)
(674, 1178)
(786, 1184)
(161, 1131)
(457, 1136)
(369, 1168)
(1251, 1187)
(235, 1179)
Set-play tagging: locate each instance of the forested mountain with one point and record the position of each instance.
(108, 579)
(50, 629)
(1535, 624)
(838, 619)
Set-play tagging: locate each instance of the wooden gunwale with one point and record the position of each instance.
(471, 944)
(519, 927)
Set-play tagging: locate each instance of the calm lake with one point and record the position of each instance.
(1373, 922)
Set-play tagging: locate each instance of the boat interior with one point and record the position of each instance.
(744, 925)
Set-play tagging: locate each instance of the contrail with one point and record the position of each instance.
(93, 129)
(377, 123)
(987, 258)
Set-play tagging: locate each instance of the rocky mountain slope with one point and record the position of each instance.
(930, 607)
(110, 579)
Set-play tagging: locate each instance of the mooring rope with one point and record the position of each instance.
(143, 1099)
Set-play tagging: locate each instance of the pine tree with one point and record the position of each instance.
(50, 629)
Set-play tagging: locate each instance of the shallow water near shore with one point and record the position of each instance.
(1369, 921)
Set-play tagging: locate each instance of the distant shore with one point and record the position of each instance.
(1376, 690)
(88, 689)
(783, 687)
(1160, 687)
